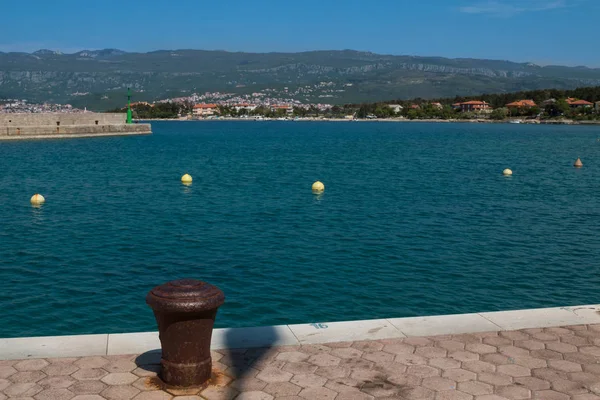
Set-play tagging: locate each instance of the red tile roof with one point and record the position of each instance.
(205, 106)
(522, 103)
(580, 103)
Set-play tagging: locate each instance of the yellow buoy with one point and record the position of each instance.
(578, 163)
(507, 172)
(37, 199)
(318, 186)
(186, 178)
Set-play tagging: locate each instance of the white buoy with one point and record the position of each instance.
(186, 179)
(507, 172)
(318, 186)
(578, 163)
(37, 199)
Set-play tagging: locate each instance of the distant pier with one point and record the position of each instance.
(67, 125)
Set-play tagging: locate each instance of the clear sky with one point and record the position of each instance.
(542, 31)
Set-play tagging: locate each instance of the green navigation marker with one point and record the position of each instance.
(129, 119)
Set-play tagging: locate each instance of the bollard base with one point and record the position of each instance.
(186, 375)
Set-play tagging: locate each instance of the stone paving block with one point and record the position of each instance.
(583, 377)
(565, 366)
(60, 369)
(568, 387)
(308, 381)
(453, 395)
(410, 359)
(546, 354)
(342, 385)
(6, 371)
(324, 360)
(23, 390)
(91, 362)
(438, 383)
(423, 371)
(514, 370)
(89, 374)
(498, 341)
(561, 347)
(444, 363)
(514, 392)
(399, 348)
(431, 352)
(270, 375)
(300, 368)
(496, 359)
(354, 396)
(532, 383)
(146, 370)
(475, 388)
(490, 397)
(318, 393)
(160, 395)
(57, 382)
(480, 348)
(31, 365)
(346, 353)
(27, 377)
(124, 392)
(333, 372)
(459, 375)
(530, 362)
(587, 396)
(495, 379)
(120, 366)
(451, 345)
(464, 356)
(54, 394)
(87, 387)
(417, 393)
(530, 344)
(378, 357)
(279, 389)
(256, 395)
(119, 378)
(549, 395)
(88, 397)
(478, 366)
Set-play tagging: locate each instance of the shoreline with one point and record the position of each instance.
(302, 334)
(386, 120)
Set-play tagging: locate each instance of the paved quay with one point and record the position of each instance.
(550, 363)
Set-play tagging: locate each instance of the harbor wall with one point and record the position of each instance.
(51, 125)
(61, 119)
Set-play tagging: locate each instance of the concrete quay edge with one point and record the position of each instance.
(299, 334)
(72, 135)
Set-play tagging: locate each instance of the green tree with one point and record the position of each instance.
(499, 114)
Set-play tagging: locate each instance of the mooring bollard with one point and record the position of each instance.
(185, 311)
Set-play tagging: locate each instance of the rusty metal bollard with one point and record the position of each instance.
(185, 311)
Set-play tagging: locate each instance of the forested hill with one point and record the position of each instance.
(98, 78)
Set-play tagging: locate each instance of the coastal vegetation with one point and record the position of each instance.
(545, 104)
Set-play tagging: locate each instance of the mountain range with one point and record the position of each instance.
(98, 79)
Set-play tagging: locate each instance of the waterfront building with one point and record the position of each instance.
(245, 106)
(575, 103)
(473, 106)
(286, 107)
(521, 104)
(205, 110)
(395, 107)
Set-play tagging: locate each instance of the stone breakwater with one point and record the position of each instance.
(50, 125)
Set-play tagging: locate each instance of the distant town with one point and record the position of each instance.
(551, 105)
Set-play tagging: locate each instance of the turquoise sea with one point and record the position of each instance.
(416, 219)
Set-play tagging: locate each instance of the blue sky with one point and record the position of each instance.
(541, 31)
